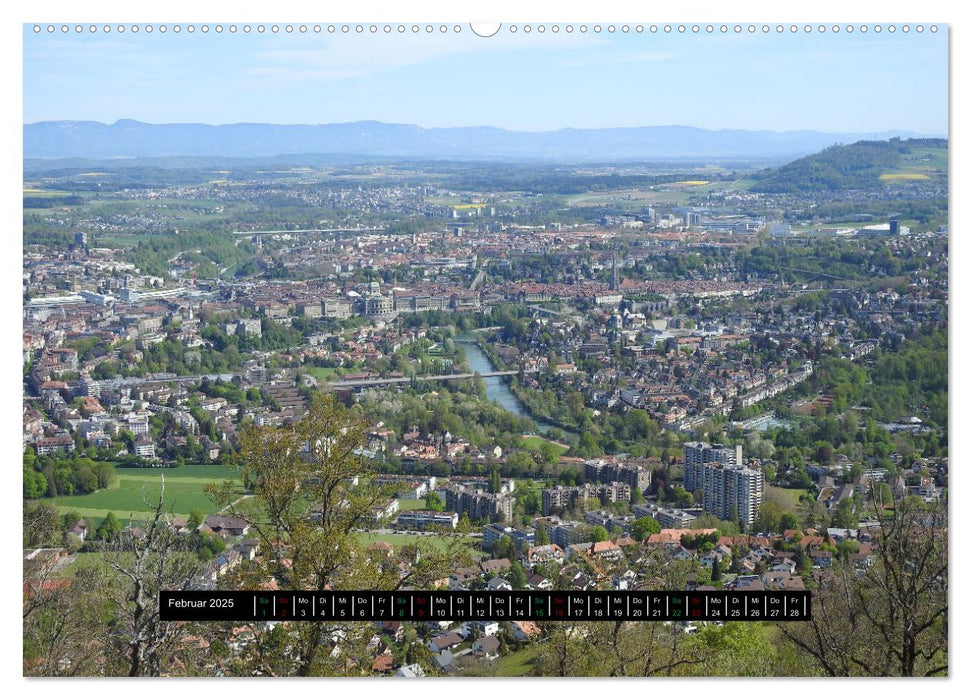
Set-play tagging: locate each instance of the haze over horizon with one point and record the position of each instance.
(135, 139)
(523, 82)
(124, 120)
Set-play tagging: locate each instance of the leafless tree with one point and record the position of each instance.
(145, 562)
(889, 618)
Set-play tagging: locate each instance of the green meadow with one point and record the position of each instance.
(136, 491)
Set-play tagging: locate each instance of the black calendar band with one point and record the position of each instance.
(538, 606)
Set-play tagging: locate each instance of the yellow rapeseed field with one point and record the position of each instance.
(904, 176)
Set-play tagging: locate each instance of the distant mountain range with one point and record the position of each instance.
(131, 139)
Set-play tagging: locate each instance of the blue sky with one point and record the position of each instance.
(828, 82)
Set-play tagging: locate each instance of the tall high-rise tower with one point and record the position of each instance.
(728, 488)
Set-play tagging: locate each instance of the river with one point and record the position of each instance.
(496, 388)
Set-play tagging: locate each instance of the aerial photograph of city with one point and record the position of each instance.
(444, 350)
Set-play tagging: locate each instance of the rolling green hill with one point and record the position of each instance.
(861, 165)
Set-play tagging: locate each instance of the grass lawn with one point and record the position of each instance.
(439, 542)
(786, 499)
(211, 472)
(519, 663)
(631, 198)
(411, 503)
(319, 373)
(913, 162)
(184, 492)
(534, 442)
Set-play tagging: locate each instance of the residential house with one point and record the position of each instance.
(393, 629)
(545, 553)
(383, 663)
(410, 671)
(482, 628)
(823, 558)
(606, 550)
(58, 443)
(247, 548)
(526, 630)
(783, 581)
(487, 647)
(784, 564)
(682, 554)
(462, 577)
(382, 549)
(864, 558)
(746, 583)
(539, 583)
(492, 567)
(445, 641)
(79, 529)
(445, 661)
(385, 510)
(227, 525)
(144, 446)
(499, 584)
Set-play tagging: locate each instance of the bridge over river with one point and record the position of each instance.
(380, 381)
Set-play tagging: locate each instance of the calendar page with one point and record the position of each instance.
(431, 348)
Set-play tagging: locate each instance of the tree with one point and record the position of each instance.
(495, 482)
(846, 515)
(528, 496)
(104, 473)
(109, 528)
(434, 502)
(138, 642)
(614, 649)
(644, 527)
(208, 545)
(588, 446)
(740, 649)
(788, 521)
(196, 518)
(35, 485)
(517, 577)
(304, 511)
(504, 548)
(770, 473)
(542, 535)
(716, 571)
(847, 548)
(599, 533)
(891, 619)
(41, 525)
(549, 453)
(768, 518)
(681, 498)
(61, 623)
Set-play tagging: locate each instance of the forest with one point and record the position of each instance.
(854, 166)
